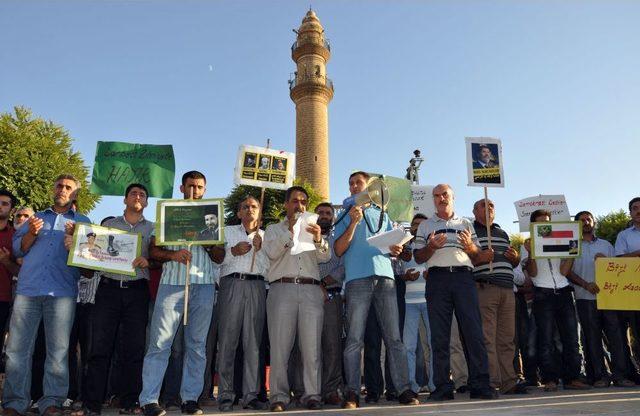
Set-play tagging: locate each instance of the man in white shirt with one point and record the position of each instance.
(241, 305)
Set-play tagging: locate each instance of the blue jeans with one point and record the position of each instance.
(360, 293)
(167, 315)
(414, 312)
(57, 314)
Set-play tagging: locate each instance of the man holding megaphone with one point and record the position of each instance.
(369, 278)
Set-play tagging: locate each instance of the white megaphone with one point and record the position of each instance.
(376, 192)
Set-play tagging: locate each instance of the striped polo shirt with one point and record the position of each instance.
(502, 274)
(451, 254)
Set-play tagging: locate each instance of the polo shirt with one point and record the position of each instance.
(361, 259)
(451, 254)
(502, 274)
(44, 270)
(585, 265)
(628, 241)
(415, 290)
(146, 230)
(6, 235)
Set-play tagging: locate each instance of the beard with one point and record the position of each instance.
(325, 226)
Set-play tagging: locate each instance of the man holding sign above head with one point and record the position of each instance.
(47, 291)
(121, 302)
(448, 244)
(595, 323)
(168, 312)
(241, 304)
(295, 305)
(553, 306)
(369, 279)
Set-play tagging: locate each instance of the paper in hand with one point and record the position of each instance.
(302, 239)
(391, 238)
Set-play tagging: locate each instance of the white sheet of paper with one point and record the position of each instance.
(390, 238)
(303, 240)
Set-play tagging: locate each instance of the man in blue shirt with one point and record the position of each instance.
(369, 279)
(47, 290)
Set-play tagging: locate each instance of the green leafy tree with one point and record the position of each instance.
(273, 210)
(608, 226)
(517, 240)
(33, 152)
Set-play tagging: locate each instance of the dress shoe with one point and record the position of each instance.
(333, 399)
(255, 404)
(351, 400)
(225, 406)
(484, 394)
(408, 397)
(277, 407)
(371, 397)
(517, 389)
(391, 395)
(438, 396)
(314, 404)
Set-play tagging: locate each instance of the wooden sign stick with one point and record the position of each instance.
(253, 256)
(486, 221)
(187, 278)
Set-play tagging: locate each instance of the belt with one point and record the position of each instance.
(298, 280)
(245, 276)
(450, 269)
(124, 284)
(550, 291)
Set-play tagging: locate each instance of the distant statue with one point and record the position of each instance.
(414, 165)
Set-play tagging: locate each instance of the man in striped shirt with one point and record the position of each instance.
(494, 281)
(448, 244)
(168, 310)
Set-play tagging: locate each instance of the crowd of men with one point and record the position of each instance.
(457, 307)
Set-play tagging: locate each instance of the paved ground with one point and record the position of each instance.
(613, 401)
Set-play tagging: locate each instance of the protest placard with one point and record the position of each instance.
(556, 204)
(119, 164)
(619, 283)
(106, 249)
(557, 239)
(423, 200)
(189, 222)
(484, 161)
(264, 167)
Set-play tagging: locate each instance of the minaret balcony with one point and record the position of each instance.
(301, 85)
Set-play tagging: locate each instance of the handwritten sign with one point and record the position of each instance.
(556, 204)
(118, 164)
(619, 281)
(423, 200)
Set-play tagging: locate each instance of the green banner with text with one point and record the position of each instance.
(119, 164)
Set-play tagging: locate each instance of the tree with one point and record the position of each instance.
(608, 226)
(517, 240)
(273, 209)
(33, 152)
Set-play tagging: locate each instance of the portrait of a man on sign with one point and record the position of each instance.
(485, 156)
(484, 162)
(279, 163)
(265, 162)
(210, 232)
(250, 160)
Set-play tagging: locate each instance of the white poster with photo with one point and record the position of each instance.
(556, 204)
(264, 168)
(423, 200)
(484, 161)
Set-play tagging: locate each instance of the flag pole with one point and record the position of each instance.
(187, 278)
(486, 222)
(253, 256)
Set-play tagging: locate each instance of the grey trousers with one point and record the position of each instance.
(241, 309)
(295, 309)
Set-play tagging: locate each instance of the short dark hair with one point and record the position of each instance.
(633, 201)
(105, 219)
(483, 146)
(360, 172)
(326, 205)
(244, 198)
(193, 174)
(538, 213)
(91, 234)
(581, 213)
(293, 189)
(419, 216)
(12, 198)
(135, 185)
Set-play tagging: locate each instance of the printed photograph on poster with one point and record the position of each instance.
(105, 249)
(558, 239)
(484, 161)
(262, 167)
(181, 222)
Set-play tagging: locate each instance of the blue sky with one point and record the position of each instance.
(557, 81)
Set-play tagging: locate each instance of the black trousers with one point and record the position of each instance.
(125, 309)
(631, 320)
(594, 322)
(449, 292)
(525, 341)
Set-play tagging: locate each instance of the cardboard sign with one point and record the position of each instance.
(265, 168)
(484, 161)
(619, 281)
(556, 204)
(423, 200)
(190, 221)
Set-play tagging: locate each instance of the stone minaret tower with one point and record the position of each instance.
(311, 91)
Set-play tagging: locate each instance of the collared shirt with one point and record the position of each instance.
(549, 276)
(415, 290)
(361, 259)
(146, 230)
(44, 271)
(334, 267)
(233, 235)
(202, 271)
(6, 277)
(451, 254)
(628, 241)
(502, 273)
(277, 244)
(585, 265)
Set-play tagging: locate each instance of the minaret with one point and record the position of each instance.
(311, 91)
